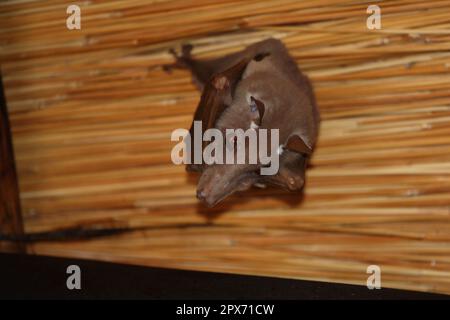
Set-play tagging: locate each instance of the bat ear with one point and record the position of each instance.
(296, 144)
(257, 109)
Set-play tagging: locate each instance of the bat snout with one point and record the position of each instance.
(201, 195)
(211, 187)
(217, 183)
(204, 197)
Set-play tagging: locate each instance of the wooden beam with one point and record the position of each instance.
(11, 224)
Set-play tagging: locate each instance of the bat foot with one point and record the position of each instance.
(168, 68)
(186, 50)
(194, 168)
(182, 61)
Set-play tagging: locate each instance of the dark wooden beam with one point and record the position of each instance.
(11, 224)
(41, 277)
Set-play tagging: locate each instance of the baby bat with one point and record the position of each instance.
(259, 87)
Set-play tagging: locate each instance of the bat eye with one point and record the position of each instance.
(253, 106)
(257, 109)
(261, 56)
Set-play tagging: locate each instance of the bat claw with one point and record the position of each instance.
(167, 68)
(173, 52)
(186, 50)
(221, 82)
(181, 61)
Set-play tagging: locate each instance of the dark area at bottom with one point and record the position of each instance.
(41, 277)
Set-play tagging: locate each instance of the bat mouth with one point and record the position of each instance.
(212, 203)
(241, 184)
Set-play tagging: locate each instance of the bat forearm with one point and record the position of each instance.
(203, 70)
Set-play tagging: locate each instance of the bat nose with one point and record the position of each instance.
(201, 195)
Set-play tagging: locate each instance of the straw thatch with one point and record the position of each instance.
(92, 111)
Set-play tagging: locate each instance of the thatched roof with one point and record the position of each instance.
(92, 110)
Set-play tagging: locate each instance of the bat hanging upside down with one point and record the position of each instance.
(259, 87)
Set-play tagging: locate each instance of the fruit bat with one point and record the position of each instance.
(258, 87)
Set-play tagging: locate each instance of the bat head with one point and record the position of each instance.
(219, 181)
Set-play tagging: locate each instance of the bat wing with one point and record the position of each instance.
(291, 175)
(293, 161)
(216, 96)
